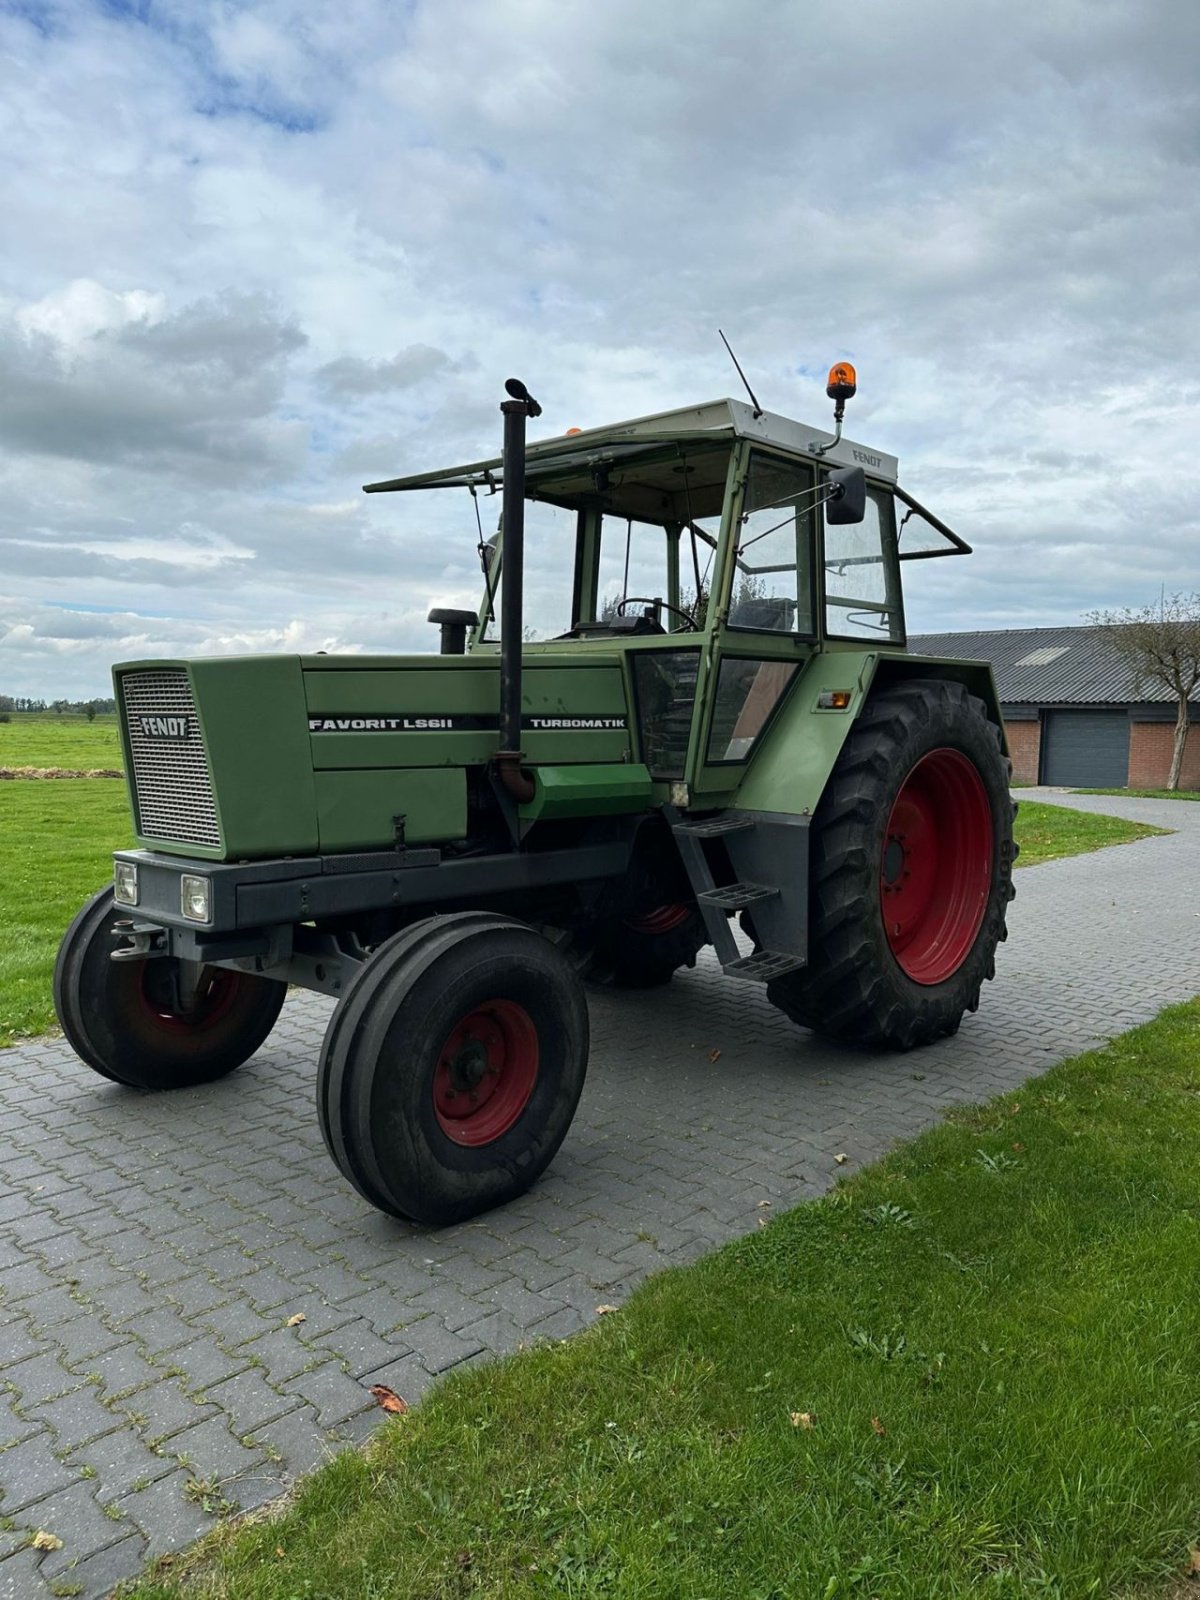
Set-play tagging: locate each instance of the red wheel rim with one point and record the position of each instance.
(936, 866)
(213, 999)
(485, 1073)
(660, 920)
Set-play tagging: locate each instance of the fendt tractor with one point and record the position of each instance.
(685, 698)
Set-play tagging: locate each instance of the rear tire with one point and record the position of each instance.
(121, 1018)
(645, 952)
(912, 857)
(451, 1070)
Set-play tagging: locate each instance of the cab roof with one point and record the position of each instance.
(716, 422)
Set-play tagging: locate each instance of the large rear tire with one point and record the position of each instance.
(912, 857)
(125, 1019)
(452, 1067)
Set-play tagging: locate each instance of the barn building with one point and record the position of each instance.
(1075, 718)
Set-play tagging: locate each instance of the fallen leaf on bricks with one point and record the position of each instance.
(878, 1426)
(389, 1399)
(294, 1322)
(603, 1311)
(763, 1203)
(802, 1419)
(46, 1541)
(841, 1159)
(714, 1055)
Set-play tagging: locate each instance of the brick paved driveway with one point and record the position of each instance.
(153, 1249)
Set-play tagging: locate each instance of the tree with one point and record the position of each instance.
(1161, 646)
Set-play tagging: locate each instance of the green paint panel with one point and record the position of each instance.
(356, 809)
(416, 685)
(251, 711)
(589, 791)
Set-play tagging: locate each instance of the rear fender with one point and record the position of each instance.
(790, 769)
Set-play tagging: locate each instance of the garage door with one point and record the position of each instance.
(1086, 749)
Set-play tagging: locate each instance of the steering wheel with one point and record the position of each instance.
(649, 600)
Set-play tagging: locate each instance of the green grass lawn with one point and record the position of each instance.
(1047, 832)
(972, 1370)
(42, 739)
(1146, 794)
(56, 842)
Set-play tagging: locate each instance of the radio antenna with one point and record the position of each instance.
(758, 410)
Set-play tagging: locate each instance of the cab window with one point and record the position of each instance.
(862, 591)
(772, 582)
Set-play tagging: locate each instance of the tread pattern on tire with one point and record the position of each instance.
(359, 1038)
(852, 988)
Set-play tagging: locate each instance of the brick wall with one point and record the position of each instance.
(1024, 746)
(1150, 755)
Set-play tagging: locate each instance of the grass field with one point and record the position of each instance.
(56, 843)
(973, 1370)
(1146, 794)
(42, 739)
(57, 836)
(1047, 832)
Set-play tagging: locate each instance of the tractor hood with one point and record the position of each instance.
(243, 757)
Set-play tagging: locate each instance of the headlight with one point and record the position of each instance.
(195, 898)
(125, 883)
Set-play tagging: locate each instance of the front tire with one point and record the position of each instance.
(123, 1018)
(451, 1070)
(912, 856)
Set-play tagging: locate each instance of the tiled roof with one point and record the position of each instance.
(1047, 666)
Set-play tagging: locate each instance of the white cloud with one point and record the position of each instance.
(258, 253)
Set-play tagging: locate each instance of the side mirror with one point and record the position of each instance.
(847, 501)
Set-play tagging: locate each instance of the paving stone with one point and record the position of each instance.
(211, 1451)
(31, 1471)
(99, 1574)
(79, 1521)
(76, 1418)
(332, 1394)
(164, 1513)
(296, 1443)
(162, 1409)
(438, 1348)
(39, 1378)
(281, 1354)
(249, 1401)
(361, 1349)
(121, 1461)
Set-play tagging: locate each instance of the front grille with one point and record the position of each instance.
(172, 786)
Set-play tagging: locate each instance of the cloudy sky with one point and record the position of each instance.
(257, 254)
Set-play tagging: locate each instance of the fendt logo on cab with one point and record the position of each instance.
(165, 727)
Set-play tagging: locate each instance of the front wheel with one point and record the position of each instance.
(154, 1024)
(911, 871)
(452, 1067)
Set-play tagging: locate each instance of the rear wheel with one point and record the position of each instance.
(157, 1023)
(912, 855)
(644, 951)
(452, 1068)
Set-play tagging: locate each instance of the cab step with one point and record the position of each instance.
(763, 965)
(718, 902)
(736, 895)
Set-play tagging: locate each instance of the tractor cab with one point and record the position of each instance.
(718, 547)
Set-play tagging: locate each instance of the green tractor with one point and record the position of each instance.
(684, 698)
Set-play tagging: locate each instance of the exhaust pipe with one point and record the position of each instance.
(516, 409)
